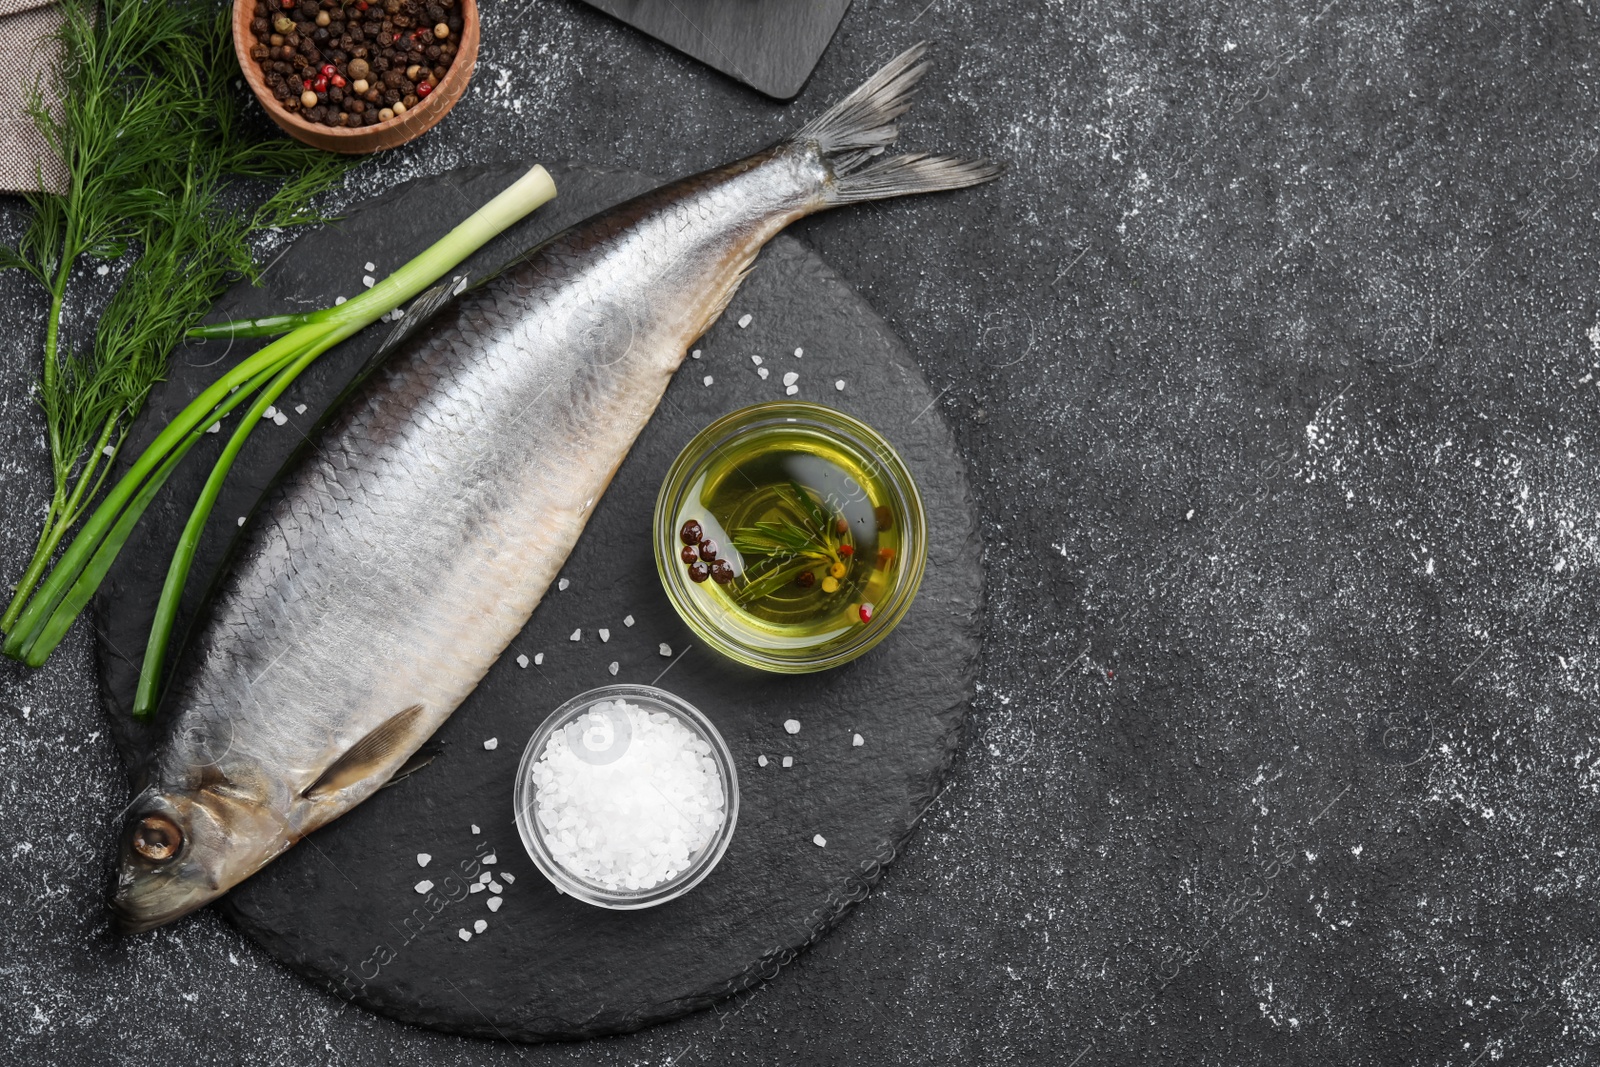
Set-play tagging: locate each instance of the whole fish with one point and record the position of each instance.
(393, 563)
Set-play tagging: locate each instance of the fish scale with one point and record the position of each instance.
(402, 551)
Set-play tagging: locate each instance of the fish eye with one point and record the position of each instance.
(157, 838)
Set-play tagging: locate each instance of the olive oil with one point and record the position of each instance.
(803, 535)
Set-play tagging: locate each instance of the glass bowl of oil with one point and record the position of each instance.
(790, 536)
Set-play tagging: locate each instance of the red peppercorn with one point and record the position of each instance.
(689, 555)
(329, 70)
(806, 580)
(866, 613)
(722, 572)
(691, 533)
(338, 79)
(321, 84)
(708, 550)
(847, 551)
(699, 572)
(306, 84)
(423, 89)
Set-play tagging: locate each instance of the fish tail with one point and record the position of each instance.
(853, 134)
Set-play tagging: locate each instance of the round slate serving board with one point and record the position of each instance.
(341, 907)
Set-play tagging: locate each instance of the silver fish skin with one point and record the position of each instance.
(395, 560)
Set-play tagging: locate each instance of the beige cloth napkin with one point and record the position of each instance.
(27, 55)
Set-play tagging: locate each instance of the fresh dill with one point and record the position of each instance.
(151, 129)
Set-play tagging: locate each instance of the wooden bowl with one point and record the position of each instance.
(388, 134)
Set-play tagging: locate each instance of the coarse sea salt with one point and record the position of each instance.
(561, 586)
(481, 925)
(761, 761)
(707, 380)
(791, 389)
(791, 725)
(538, 658)
(627, 620)
(665, 650)
(423, 859)
(856, 741)
(790, 378)
(423, 886)
(744, 320)
(613, 667)
(605, 635)
(522, 661)
(638, 820)
(763, 372)
(494, 903)
(464, 934)
(819, 841)
(788, 761)
(474, 829)
(577, 635)
(492, 744)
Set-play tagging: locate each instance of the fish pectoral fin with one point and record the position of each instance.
(370, 754)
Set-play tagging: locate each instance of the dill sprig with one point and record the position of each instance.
(151, 129)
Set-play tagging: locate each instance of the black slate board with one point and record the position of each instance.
(341, 909)
(770, 45)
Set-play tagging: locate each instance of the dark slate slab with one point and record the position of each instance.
(341, 908)
(770, 45)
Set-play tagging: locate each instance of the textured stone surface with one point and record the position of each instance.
(1324, 275)
(342, 908)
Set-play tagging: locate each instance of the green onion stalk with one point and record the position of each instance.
(258, 380)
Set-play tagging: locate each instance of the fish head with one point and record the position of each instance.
(181, 850)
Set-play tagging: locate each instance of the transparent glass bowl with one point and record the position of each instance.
(525, 798)
(728, 629)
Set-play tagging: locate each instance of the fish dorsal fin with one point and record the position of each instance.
(362, 759)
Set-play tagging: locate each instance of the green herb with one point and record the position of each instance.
(152, 136)
(259, 378)
(802, 537)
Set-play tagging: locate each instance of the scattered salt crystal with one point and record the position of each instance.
(612, 667)
(485, 877)
(423, 859)
(370, 266)
(788, 761)
(271, 412)
(627, 620)
(819, 841)
(561, 586)
(338, 300)
(605, 635)
(102, 270)
(475, 887)
(299, 409)
(480, 926)
(1189, 516)
(792, 725)
(509, 877)
(241, 520)
(763, 372)
(856, 741)
(799, 352)
(464, 934)
(695, 354)
(109, 450)
(839, 385)
(790, 378)
(791, 389)
(368, 280)
(424, 886)
(522, 661)
(474, 829)
(492, 744)
(761, 761)
(707, 380)
(665, 649)
(490, 860)
(494, 886)
(215, 427)
(756, 360)
(494, 903)
(538, 658)
(280, 418)
(577, 635)
(638, 820)
(744, 320)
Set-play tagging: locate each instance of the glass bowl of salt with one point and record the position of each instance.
(626, 797)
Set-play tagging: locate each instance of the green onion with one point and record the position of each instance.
(60, 598)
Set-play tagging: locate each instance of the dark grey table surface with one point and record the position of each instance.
(1274, 359)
